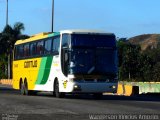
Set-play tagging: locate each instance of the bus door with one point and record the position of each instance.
(65, 53)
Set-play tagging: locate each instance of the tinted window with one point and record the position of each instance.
(32, 49)
(47, 48)
(40, 47)
(65, 40)
(21, 53)
(16, 53)
(26, 50)
(56, 45)
(85, 40)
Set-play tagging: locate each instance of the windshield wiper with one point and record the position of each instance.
(91, 69)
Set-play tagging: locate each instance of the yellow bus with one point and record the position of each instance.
(69, 61)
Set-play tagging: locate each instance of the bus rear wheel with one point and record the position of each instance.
(25, 88)
(28, 92)
(56, 90)
(22, 89)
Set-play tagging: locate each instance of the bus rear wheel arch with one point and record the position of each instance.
(24, 88)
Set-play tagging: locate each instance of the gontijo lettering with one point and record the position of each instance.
(30, 64)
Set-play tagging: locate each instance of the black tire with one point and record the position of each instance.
(98, 96)
(26, 88)
(28, 92)
(22, 91)
(56, 90)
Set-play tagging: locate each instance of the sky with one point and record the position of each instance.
(125, 18)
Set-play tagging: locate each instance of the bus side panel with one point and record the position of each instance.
(26, 69)
(49, 70)
(33, 73)
(16, 75)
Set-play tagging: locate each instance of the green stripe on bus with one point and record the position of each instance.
(41, 70)
(47, 70)
(54, 34)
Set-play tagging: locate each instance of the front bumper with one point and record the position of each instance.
(91, 87)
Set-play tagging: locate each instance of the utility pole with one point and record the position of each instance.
(9, 56)
(7, 14)
(52, 15)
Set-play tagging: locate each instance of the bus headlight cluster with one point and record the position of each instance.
(77, 88)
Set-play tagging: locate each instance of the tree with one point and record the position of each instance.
(3, 67)
(154, 69)
(128, 60)
(8, 38)
(145, 68)
(138, 65)
(11, 35)
(156, 72)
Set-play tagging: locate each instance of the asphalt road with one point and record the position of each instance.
(13, 106)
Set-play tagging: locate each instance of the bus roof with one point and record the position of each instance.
(50, 34)
(84, 31)
(37, 37)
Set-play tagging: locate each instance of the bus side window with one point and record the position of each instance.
(56, 45)
(47, 47)
(21, 51)
(26, 50)
(15, 53)
(32, 49)
(40, 48)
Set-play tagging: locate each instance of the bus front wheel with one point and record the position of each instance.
(56, 90)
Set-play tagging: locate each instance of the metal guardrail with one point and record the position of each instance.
(6, 81)
(143, 87)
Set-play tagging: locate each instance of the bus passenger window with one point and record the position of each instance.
(40, 48)
(32, 49)
(26, 50)
(47, 48)
(21, 51)
(15, 53)
(56, 45)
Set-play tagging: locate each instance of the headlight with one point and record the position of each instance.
(77, 88)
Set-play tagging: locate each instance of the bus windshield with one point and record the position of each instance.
(87, 40)
(93, 54)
